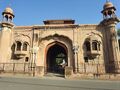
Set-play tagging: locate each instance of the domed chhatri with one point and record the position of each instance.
(8, 15)
(108, 10)
(108, 5)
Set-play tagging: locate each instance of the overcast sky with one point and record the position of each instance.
(33, 12)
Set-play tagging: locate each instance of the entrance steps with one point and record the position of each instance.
(54, 75)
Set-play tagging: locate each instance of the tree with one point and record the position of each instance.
(118, 32)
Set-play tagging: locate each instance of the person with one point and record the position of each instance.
(63, 64)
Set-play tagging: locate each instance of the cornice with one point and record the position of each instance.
(62, 26)
(89, 26)
(46, 26)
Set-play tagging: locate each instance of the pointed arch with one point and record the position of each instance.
(19, 45)
(25, 46)
(56, 52)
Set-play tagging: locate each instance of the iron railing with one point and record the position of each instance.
(85, 68)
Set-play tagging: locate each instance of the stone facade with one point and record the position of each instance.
(89, 48)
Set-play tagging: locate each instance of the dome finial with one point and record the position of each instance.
(107, 0)
(10, 3)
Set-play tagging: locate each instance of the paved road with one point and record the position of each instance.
(7, 83)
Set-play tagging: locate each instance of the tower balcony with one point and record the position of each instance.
(93, 53)
(20, 54)
(8, 24)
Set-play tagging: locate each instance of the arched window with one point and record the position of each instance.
(19, 44)
(87, 44)
(94, 45)
(6, 17)
(10, 19)
(25, 46)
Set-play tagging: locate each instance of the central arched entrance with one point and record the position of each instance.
(56, 58)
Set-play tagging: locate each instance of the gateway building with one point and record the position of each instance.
(60, 46)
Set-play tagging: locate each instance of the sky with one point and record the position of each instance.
(34, 12)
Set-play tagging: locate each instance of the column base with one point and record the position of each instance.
(39, 71)
(68, 71)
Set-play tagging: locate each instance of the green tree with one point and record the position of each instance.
(118, 32)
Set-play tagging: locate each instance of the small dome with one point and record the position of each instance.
(108, 5)
(8, 10)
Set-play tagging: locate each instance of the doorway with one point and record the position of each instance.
(56, 58)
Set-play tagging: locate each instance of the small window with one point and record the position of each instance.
(10, 19)
(24, 46)
(86, 59)
(87, 44)
(26, 59)
(19, 44)
(94, 45)
(6, 18)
